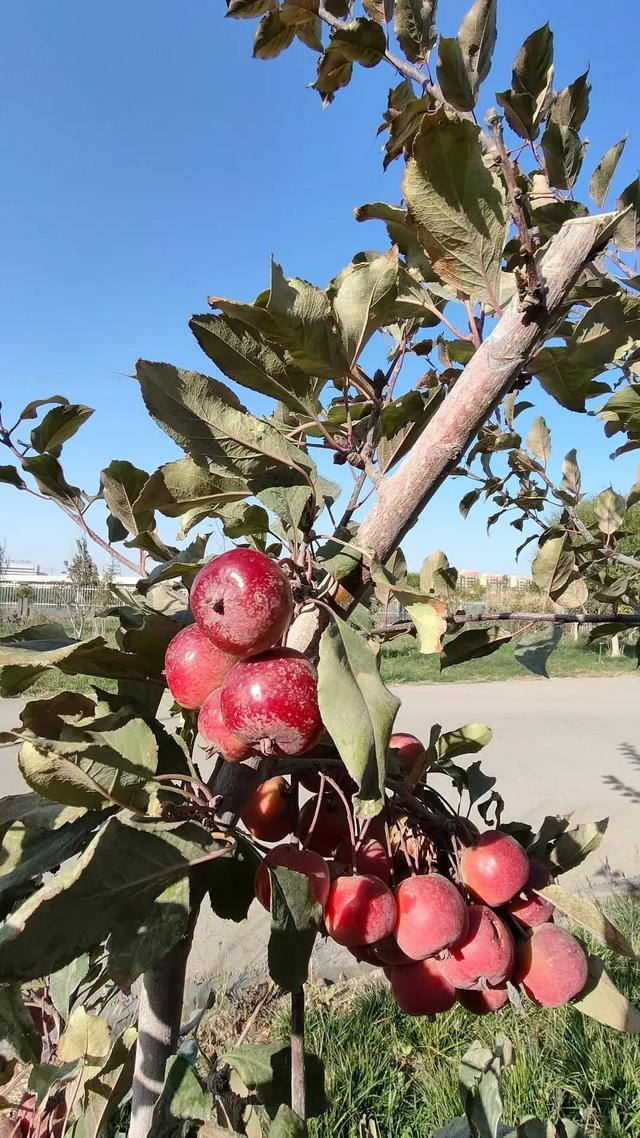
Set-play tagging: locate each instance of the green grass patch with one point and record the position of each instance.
(401, 663)
(402, 1071)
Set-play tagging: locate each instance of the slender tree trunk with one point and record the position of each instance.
(616, 647)
(401, 497)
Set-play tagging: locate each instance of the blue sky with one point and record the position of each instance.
(149, 161)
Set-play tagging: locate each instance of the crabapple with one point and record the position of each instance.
(485, 955)
(551, 966)
(331, 826)
(420, 988)
(303, 861)
(272, 700)
(193, 666)
(388, 952)
(214, 733)
(408, 749)
(360, 910)
(268, 813)
(528, 907)
(432, 915)
(373, 858)
(495, 868)
(242, 601)
(481, 1001)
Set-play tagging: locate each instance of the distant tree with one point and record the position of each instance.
(83, 575)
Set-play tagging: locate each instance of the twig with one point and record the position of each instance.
(632, 619)
(298, 1088)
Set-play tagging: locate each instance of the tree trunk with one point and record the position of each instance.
(486, 379)
(616, 647)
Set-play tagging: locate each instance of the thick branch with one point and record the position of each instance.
(632, 619)
(486, 379)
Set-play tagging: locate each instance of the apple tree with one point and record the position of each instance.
(500, 282)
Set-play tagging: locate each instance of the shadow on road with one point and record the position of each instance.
(615, 783)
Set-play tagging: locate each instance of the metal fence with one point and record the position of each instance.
(61, 595)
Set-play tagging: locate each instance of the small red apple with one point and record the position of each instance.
(421, 989)
(551, 966)
(242, 601)
(495, 868)
(485, 955)
(303, 861)
(194, 667)
(360, 910)
(432, 915)
(272, 699)
(528, 907)
(482, 1001)
(408, 749)
(215, 735)
(268, 814)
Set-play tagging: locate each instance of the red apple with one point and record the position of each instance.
(303, 861)
(432, 915)
(551, 966)
(194, 667)
(421, 989)
(268, 814)
(485, 955)
(242, 601)
(495, 868)
(360, 910)
(481, 1001)
(528, 907)
(331, 828)
(272, 700)
(408, 749)
(215, 735)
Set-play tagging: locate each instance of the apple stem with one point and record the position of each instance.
(387, 836)
(350, 822)
(298, 1088)
(316, 813)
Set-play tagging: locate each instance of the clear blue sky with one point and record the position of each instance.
(149, 161)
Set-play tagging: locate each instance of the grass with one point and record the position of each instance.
(401, 663)
(403, 1071)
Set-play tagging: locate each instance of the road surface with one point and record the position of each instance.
(558, 746)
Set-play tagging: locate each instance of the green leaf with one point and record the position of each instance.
(296, 916)
(464, 62)
(453, 76)
(64, 983)
(627, 234)
(534, 649)
(531, 80)
(287, 1124)
(207, 420)
(571, 105)
(58, 425)
(273, 35)
(51, 481)
(305, 325)
(539, 439)
(581, 911)
(29, 412)
(27, 654)
(182, 1098)
(567, 373)
(248, 9)
(472, 644)
(9, 475)
(437, 575)
(41, 855)
(553, 566)
(459, 206)
(231, 883)
(602, 1001)
(265, 1068)
(246, 357)
(467, 740)
(610, 510)
(363, 295)
(571, 478)
(603, 174)
(414, 27)
(563, 154)
(17, 1026)
(123, 868)
(83, 774)
(86, 1036)
(571, 847)
(121, 484)
(334, 72)
(138, 941)
(105, 1091)
(350, 693)
(360, 41)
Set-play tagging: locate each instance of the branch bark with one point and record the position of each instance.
(632, 619)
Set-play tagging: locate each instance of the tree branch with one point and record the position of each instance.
(298, 1087)
(632, 619)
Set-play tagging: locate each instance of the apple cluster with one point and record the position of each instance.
(449, 914)
(251, 696)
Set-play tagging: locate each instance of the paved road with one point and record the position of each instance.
(558, 745)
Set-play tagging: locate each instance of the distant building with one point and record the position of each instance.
(467, 577)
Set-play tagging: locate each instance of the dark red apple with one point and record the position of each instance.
(242, 601)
